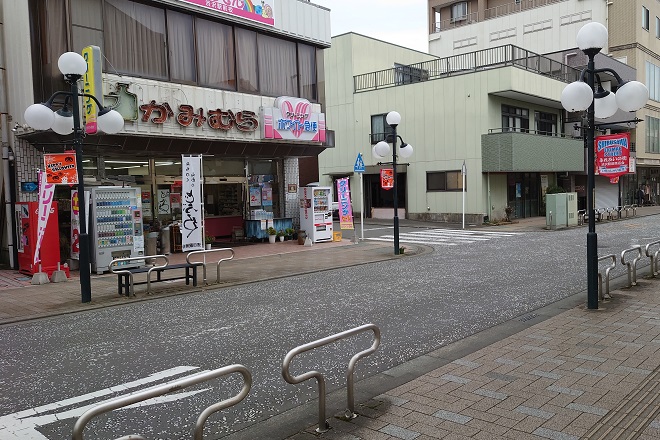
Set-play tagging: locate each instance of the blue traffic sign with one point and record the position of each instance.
(359, 164)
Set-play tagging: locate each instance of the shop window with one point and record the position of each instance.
(546, 123)
(278, 74)
(515, 119)
(652, 137)
(134, 38)
(444, 181)
(380, 129)
(247, 61)
(181, 47)
(307, 70)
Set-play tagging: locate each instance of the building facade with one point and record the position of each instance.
(229, 82)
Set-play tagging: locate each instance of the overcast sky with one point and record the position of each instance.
(401, 22)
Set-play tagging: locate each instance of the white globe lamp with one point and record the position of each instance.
(39, 116)
(606, 106)
(72, 63)
(406, 151)
(381, 149)
(393, 118)
(632, 96)
(577, 96)
(63, 122)
(110, 121)
(592, 36)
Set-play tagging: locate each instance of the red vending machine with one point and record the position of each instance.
(27, 221)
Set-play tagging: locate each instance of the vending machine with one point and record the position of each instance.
(116, 220)
(27, 224)
(316, 212)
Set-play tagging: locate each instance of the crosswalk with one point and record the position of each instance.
(446, 237)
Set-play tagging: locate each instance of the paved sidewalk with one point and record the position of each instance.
(583, 374)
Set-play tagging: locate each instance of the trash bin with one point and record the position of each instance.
(165, 241)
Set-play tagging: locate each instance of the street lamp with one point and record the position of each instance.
(580, 96)
(65, 121)
(381, 150)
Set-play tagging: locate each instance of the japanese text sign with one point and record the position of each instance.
(345, 208)
(61, 168)
(387, 178)
(191, 204)
(612, 154)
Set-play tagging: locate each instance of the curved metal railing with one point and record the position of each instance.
(154, 258)
(605, 294)
(204, 263)
(653, 270)
(632, 265)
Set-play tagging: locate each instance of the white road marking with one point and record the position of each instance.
(446, 237)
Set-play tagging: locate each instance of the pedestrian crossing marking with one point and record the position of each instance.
(446, 237)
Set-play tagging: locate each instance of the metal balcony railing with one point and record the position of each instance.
(496, 57)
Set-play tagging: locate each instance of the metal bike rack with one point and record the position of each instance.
(581, 214)
(606, 294)
(169, 387)
(130, 274)
(204, 263)
(323, 424)
(653, 269)
(632, 265)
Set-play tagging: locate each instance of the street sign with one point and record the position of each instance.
(359, 164)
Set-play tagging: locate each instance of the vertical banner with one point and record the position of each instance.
(46, 193)
(345, 208)
(164, 206)
(191, 204)
(75, 225)
(612, 155)
(92, 85)
(387, 178)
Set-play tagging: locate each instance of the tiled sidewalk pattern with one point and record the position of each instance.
(580, 375)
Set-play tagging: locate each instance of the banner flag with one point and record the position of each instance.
(46, 193)
(191, 204)
(345, 208)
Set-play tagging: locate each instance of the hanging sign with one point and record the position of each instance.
(164, 206)
(191, 204)
(46, 193)
(386, 179)
(93, 83)
(612, 155)
(75, 225)
(61, 168)
(345, 208)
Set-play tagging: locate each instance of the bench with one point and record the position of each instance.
(125, 280)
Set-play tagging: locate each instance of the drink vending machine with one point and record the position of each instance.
(316, 212)
(116, 218)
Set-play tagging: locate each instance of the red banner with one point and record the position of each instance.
(612, 154)
(61, 168)
(387, 178)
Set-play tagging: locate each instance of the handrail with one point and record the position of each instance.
(203, 264)
(632, 265)
(606, 294)
(169, 387)
(323, 424)
(654, 258)
(130, 274)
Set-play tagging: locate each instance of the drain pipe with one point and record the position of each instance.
(9, 195)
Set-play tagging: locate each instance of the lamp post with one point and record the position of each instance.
(64, 121)
(381, 150)
(580, 96)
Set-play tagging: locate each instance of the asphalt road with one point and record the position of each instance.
(419, 303)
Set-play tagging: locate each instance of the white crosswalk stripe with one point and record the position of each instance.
(445, 237)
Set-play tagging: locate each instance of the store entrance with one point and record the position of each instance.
(523, 194)
(377, 200)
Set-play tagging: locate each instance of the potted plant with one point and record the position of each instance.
(280, 235)
(208, 240)
(272, 234)
(288, 233)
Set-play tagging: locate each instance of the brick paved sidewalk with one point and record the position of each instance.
(581, 374)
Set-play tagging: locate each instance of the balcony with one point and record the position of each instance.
(529, 151)
(496, 57)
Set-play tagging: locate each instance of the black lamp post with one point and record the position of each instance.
(580, 96)
(41, 117)
(381, 150)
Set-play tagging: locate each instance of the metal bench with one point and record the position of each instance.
(125, 280)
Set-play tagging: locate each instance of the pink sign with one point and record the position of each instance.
(261, 11)
(46, 193)
(292, 119)
(345, 208)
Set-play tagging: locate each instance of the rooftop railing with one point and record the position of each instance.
(496, 57)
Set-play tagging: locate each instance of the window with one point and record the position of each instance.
(307, 71)
(181, 47)
(515, 119)
(645, 18)
(278, 75)
(247, 61)
(215, 52)
(379, 128)
(459, 11)
(546, 123)
(409, 74)
(652, 137)
(657, 27)
(653, 80)
(134, 37)
(444, 181)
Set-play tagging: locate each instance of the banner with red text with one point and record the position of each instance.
(344, 202)
(612, 155)
(387, 178)
(61, 168)
(46, 194)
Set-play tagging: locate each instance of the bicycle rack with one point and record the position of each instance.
(166, 388)
(632, 265)
(350, 412)
(602, 295)
(115, 267)
(654, 258)
(204, 263)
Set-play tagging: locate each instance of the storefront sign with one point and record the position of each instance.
(256, 10)
(255, 196)
(61, 168)
(191, 204)
(612, 155)
(292, 119)
(93, 83)
(75, 225)
(386, 178)
(46, 193)
(345, 208)
(164, 202)
(218, 119)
